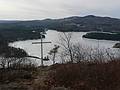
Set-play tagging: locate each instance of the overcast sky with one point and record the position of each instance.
(40, 9)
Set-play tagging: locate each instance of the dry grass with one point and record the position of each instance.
(70, 76)
(86, 76)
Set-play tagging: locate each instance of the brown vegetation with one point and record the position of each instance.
(86, 76)
(69, 76)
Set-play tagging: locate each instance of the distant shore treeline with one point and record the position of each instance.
(9, 52)
(103, 36)
(18, 34)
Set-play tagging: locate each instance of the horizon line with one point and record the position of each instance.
(59, 17)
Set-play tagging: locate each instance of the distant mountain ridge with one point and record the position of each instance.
(75, 23)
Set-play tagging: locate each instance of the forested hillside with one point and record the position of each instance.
(75, 23)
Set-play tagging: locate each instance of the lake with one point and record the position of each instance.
(54, 37)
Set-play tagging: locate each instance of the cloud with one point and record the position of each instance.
(39, 9)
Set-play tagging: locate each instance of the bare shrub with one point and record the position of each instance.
(87, 76)
(16, 68)
(53, 52)
(87, 54)
(75, 52)
(66, 44)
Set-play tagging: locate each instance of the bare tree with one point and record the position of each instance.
(66, 44)
(53, 52)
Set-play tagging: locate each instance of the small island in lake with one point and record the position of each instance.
(117, 45)
(103, 36)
